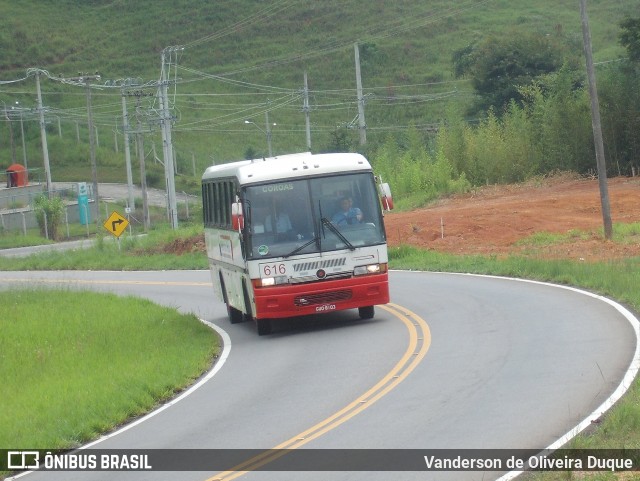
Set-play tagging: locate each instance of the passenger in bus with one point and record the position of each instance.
(282, 223)
(347, 214)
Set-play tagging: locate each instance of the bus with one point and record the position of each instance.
(296, 234)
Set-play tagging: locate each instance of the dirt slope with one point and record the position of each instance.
(492, 220)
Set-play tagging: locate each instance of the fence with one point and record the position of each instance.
(16, 207)
(19, 197)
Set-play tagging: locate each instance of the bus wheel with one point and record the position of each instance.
(366, 312)
(235, 315)
(264, 326)
(248, 316)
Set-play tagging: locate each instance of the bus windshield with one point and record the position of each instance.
(312, 215)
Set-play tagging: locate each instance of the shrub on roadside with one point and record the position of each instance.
(49, 214)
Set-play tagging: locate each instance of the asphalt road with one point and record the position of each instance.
(119, 192)
(456, 362)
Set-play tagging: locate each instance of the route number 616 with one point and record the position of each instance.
(270, 270)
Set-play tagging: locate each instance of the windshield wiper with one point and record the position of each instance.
(299, 248)
(333, 229)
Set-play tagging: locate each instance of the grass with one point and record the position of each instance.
(619, 279)
(542, 239)
(33, 237)
(109, 357)
(622, 233)
(9, 239)
(148, 252)
(627, 233)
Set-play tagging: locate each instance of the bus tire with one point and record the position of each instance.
(248, 316)
(366, 312)
(235, 315)
(264, 326)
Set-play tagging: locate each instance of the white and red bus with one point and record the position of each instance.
(294, 235)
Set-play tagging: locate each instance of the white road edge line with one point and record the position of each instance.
(622, 388)
(226, 349)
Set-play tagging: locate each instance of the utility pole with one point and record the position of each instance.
(13, 145)
(267, 132)
(24, 146)
(92, 145)
(305, 109)
(172, 207)
(115, 138)
(92, 142)
(595, 123)
(266, 118)
(43, 135)
(362, 126)
(127, 150)
(143, 174)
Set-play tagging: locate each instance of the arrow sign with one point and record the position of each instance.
(116, 224)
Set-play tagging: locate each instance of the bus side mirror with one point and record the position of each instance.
(385, 196)
(237, 217)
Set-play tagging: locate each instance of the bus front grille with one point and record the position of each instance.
(330, 277)
(322, 264)
(322, 298)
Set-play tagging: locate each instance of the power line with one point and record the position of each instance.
(267, 12)
(242, 113)
(384, 32)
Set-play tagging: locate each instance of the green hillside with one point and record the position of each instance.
(240, 59)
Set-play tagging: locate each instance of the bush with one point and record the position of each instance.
(49, 214)
(416, 175)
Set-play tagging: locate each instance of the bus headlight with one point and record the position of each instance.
(370, 269)
(270, 281)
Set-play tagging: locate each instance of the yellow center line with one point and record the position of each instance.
(419, 342)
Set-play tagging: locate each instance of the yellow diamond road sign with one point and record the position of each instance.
(116, 224)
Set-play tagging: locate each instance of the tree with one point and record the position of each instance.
(340, 141)
(250, 153)
(463, 60)
(620, 102)
(619, 94)
(630, 37)
(499, 66)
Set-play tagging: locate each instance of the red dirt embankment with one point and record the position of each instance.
(493, 219)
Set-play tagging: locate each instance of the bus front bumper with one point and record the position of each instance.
(322, 296)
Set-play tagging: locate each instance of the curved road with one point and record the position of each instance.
(456, 362)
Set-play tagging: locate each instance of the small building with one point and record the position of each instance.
(17, 176)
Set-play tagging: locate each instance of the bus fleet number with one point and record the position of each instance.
(270, 270)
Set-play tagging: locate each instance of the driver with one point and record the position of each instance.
(347, 214)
